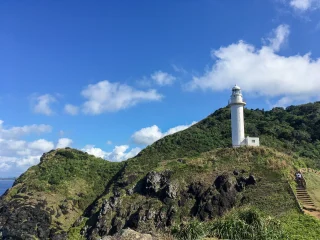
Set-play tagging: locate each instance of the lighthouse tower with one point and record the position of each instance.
(237, 103)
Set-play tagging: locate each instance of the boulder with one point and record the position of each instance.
(153, 182)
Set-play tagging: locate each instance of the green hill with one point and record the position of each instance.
(49, 197)
(192, 174)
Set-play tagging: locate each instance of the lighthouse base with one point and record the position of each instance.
(249, 141)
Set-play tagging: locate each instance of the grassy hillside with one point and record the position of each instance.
(64, 184)
(271, 194)
(290, 131)
(175, 179)
(294, 129)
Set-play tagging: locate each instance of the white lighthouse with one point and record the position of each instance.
(237, 103)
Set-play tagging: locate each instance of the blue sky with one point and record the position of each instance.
(111, 77)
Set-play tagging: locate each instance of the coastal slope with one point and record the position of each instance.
(190, 174)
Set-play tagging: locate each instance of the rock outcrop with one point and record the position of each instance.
(157, 202)
(21, 221)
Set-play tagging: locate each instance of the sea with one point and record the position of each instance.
(4, 185)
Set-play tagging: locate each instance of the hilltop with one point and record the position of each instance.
(192, 174)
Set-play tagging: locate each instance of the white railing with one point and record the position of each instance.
(235, 101)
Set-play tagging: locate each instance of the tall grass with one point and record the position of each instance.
(193, 230)
(244, 224)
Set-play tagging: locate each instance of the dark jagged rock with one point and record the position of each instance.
(251, 180)
(210, 202)
(224, 183)
(19, 221)
(217, 199)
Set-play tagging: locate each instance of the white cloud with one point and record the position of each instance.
(162, 78)
(4, 167)
(41, 145)
(91, 149)
(15, 132)
(281, 34)
(28, 161)
(304, 5)
(178, 128)
(118, 154)
(42, 105)
(106, 97)
(179, 69)
(262, 71)
(21, 153)
(149, 135)
(109, 142)
(132, 153)
(71, 109)
(64, 142)
(17, 153)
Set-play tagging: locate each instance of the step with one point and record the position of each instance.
(310, 208)
(308, 198)
(308, 204)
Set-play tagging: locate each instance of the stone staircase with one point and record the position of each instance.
(305, 199)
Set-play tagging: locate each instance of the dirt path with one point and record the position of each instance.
(313, 213)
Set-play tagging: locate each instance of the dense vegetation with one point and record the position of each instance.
(295, 129)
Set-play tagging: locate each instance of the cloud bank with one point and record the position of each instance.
(262, 71)
(149, 135)
(304, 5)
(105, 96)
(118, 154)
